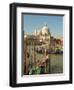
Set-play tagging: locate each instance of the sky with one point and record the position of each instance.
(33, 21)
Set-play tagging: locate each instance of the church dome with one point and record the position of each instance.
(45, 30)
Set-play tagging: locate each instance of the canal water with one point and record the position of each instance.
(54, 65)
(56, 62)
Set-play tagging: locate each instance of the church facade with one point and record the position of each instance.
(44, 37)
(43, 34)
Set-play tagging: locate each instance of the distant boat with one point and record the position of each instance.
(58, 51)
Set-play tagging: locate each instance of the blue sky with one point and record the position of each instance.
(55, 23)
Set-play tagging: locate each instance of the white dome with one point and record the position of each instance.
(45, 30)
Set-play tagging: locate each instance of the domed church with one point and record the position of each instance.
(43, 33)
(45, 30)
